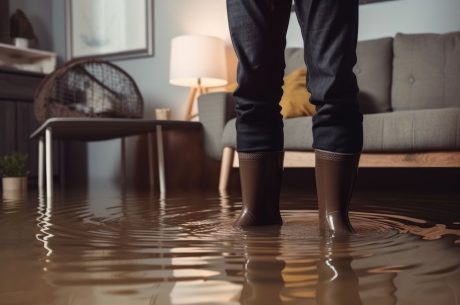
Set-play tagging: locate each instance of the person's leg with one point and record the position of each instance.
(329, 29)
(258, 31)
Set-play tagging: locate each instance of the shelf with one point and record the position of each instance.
(27, 59)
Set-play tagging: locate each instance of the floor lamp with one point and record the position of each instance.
(198, 62)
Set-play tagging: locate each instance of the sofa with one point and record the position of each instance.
(409, 95)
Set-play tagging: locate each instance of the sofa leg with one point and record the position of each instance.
(226, 167)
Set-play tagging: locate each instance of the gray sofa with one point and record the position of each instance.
(409, 94)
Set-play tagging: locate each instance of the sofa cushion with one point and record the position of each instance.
(426, 71)
(297, 133)
(294, 60)
(413, 130)
(401, 131)
(373, 71)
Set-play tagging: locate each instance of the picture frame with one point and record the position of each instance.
(360, 2)
(372, 1)
(109, 29)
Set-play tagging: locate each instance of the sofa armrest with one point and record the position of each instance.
(215, 110)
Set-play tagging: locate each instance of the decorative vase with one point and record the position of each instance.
(15, 184)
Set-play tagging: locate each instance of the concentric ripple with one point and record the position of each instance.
(136, 249)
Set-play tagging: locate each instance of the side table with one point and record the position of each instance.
(100, 129)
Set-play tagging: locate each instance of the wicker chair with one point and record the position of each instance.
(86, 100)
(88, 88)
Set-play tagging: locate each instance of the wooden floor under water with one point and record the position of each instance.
(105, 246)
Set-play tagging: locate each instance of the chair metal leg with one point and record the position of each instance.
(151, 171)
(41, 164)
(49, 162)
(123, 162)
(161, 159)
(61, 165)
(226, 168)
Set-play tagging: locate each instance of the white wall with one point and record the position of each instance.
(405, 16)
(176, 17)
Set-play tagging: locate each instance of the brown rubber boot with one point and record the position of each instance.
(261, 175)
(335, 179)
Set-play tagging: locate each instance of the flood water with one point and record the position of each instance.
(113, 248)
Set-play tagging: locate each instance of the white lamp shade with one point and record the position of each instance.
(196, 58)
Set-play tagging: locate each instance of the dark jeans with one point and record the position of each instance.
(329, 30)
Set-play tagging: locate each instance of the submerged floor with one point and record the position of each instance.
(112, 248)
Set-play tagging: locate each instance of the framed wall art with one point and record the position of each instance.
(372, 1)
(110, 29)
(360, 2)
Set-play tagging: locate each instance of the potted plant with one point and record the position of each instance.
(21, 30)
(13, 169)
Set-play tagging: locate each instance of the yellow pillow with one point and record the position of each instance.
(231, 87)
(295, 100)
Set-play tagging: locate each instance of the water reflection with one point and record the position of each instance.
(263, 267)
(121, 248)
(44, 212)
(338, 284)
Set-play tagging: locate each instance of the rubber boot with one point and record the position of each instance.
(260, 175)
(335, 179)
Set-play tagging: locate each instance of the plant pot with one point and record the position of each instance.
(15, 184)
(21, 42)
(13, 196)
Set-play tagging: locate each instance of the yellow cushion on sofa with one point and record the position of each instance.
(231, 87)
(295, 101)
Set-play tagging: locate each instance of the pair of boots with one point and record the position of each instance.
(261, 174)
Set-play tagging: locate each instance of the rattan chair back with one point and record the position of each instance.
(88, 88)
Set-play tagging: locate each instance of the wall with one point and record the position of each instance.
(4, 21)
(176, 17)
(406, 16)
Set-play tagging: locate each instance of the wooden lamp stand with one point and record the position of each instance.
(193, 95)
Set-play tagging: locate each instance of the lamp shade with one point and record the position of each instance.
(198, 60)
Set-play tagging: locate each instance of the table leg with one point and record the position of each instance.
(41, 161)
(49, 161)
(61, 165)
(161, 159)
(150, 150)
(123, 162)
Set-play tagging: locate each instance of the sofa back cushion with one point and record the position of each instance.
(294, 60)
(426, 71)
(373, 71)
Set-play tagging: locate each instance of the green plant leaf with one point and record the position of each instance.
(13, 165)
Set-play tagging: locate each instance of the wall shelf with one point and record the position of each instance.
(27, 59)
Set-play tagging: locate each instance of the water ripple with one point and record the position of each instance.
(185, 251)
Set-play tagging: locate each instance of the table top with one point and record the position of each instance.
(100, 129)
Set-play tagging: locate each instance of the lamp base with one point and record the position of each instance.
(193, 95)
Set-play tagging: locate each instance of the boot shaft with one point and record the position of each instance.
(335, 178)
(261, 177)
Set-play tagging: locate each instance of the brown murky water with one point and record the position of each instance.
(109, 248)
